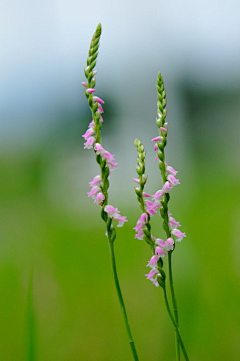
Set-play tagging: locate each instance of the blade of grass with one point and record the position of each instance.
(31, 324)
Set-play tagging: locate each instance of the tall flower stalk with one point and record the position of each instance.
(159, 203)
(100, 183)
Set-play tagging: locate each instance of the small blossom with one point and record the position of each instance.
(94, 191)
(98, 100)
(111, 164)
(159, 252)
(160, 242)
(96, 181)
(100, 108)
(167, 187)
(171, 170)
(153, 262)
(155, 281)
(173, 180)
(99, 198)
(152, 273)
(169, 244)
(177, 233)
(164, 130)
(101, 119)
(152, 207)
(92, 124)
(85, 84)
(90, 90)
(88, 133)
(112, 211)
(136, 180)
(157, 139)
(173, 223)
(146, 195)
(89, 143)
(158, 194)
(140, 234)
(155, 148)
(121, 220)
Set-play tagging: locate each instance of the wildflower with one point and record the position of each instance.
(173, 180)
(158, 194)
(157, 139)
(94, 191)
(159, 252)
(99, 198)
(152, 273)
(167, 187)
(112, 212)
(98, 100)
(89, 143)
(153, 261)
(177, 233)
(171, 170)
(173, 223)
(85, 84)
(90, 90)
(96, 181)
(88, 133)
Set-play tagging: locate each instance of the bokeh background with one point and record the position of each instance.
(51, 230)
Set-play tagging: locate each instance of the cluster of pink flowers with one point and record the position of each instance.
(96, 191)
(114, 213)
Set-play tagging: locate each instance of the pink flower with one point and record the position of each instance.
(100, 109)
(101, 119)
(96, 181)
(99, 198)
(152, 207)
(160, 242)
(146, 195)
(141, 222)
(103, 152)
(140, 234)
(89, 143)
(159, 252)
(169, 244)
(153, 262)
(92, 124)
(90, 90)
(155, 147)
(98, 100)
(85, 84)
(111, 211)
(158, 194)
(173, 180)
(88, 133)
(167, 187)
(152, 273)
(173, 223)
(136, 180)
(157, 139)
(121, 220)
(171, 170)
(164, 130)
(94, 191)
(155, 282)
(177, 233)
(111, 164)
(156, 158)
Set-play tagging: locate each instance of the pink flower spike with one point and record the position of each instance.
(173, 180)
(158, 194)
(153, 262)
(111, 211)
(159, 252)
(98, 100)
(89, 143)
(157, 139)
(160, 242)
(146, 195)
(173, 223)
(164, 130)
(121, 220)
(94, 191)
(88, 133)
(167, 187)
(96, 181)
(171, 170)
(100, 198)
(152, 273)
(177, 233)
(85, 84)
(136, 180)
(90, 90)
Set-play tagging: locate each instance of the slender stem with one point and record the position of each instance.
(174, 303)
(120, 297)
(175, 325)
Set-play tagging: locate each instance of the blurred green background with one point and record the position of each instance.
(51, 229)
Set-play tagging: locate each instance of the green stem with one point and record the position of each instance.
(174, 303)
(120, 297)
(175, 325)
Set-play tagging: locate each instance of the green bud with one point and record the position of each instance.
(104, 215)
(137, 142)
(158, 122)
(162, 273)
(137, 191)
(147, 233)
(160, 281)
(94, 107)
(139, 170)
